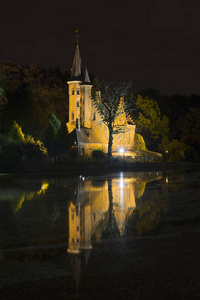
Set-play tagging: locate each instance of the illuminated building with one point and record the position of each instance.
(87, 130)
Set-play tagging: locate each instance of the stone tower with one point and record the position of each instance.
(80, 104)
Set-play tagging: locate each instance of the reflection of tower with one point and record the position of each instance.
(74, 229)
(79, 237)
(79, 228)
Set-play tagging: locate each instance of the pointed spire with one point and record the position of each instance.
(87, 78)
(76, 67)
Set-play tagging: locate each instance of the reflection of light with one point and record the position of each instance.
(121, 150)
(166, 179)
(121, 185)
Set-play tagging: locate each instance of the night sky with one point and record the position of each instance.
(153, 43)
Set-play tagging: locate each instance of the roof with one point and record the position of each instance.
(87, 135)
(86, 80)
(76, 71)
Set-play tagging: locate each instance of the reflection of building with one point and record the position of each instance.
(91, 206)
(89, 213)
(85, 126)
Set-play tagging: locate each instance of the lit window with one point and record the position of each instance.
(98, 94)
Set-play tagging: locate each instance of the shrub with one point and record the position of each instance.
(98, 153)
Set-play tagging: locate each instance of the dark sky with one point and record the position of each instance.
(153, 43)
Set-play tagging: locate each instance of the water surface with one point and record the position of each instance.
(121, 235)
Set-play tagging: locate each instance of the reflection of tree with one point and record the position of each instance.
(147, 216)
(28, 196)
(108, 226)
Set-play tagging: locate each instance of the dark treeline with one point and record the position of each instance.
(34, 106)
(176, 122)
(31, 94)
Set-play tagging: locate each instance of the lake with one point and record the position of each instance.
(121, 235)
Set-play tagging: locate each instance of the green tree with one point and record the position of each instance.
(149, 122)
(16, 135)
(55, 136)
(110, 106)
(139, 143)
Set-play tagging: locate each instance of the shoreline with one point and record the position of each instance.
(105, 167)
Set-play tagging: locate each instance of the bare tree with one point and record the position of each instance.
(109, 103)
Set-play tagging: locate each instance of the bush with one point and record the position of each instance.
(98, 154)
(139, 143)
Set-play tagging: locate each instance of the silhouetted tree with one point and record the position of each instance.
(110, 106)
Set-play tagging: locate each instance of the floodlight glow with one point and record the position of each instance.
(121, 150)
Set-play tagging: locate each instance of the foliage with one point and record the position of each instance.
(139, 143)
(98, 153)
(32, 94)
(55, 136)
(191, 123)
(175, 151)
(15, 134)
(110, 106)
(191, 129)
(149, 122)
(53, 128)
(16, 146)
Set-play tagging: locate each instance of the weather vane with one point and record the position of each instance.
(77, 35)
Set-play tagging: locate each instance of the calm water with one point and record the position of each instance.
(121, 236)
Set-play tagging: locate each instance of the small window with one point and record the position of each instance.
(72, 116)
(82, 151)
(77, 92)
(94, 117)
(72, 240)
(77, 240)
(72, 217)
(77, 228)
(72, 92)
(98, 94)
(77, 104)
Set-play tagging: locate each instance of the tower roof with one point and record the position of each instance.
(76, 71)
(86, 80)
